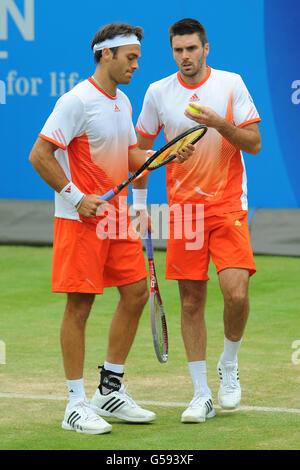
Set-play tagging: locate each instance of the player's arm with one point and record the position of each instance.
(145, 142)
(246, 138)
(136, 158)
(46, 165)
(42, 159)
(138, 155)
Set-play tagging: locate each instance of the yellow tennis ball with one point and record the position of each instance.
(194, 110)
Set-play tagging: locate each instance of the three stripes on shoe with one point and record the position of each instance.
(73, 418)
(209, 405)
(112, 404)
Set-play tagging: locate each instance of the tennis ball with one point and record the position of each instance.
(194, 110)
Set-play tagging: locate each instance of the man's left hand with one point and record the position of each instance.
(143, 222)
(184, 154)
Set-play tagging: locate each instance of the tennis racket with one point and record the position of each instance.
(157, 313)
(166, 154)
(160, 158)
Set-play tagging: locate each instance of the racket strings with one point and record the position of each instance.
(191, 138)
(165, 331)
(161, 330)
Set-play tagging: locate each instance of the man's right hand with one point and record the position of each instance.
(90, 204)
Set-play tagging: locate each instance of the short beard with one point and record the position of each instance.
(196, 72)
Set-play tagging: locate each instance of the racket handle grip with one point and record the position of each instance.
(149, 246)
(109, 195)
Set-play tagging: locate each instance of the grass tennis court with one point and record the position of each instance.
(30, 324)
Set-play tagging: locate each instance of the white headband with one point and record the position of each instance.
(117, 41)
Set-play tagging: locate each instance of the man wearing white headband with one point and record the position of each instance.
(91, 135)
(117, 41)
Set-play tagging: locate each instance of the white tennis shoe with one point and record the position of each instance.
(119, 404)
(81, 418)
(200, 408)
(230, 392)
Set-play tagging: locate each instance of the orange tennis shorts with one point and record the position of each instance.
(84, 263)
(224, 238)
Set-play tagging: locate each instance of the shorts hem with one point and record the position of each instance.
(188, 277)
(79, 290)
(127, 281)
(251, 270)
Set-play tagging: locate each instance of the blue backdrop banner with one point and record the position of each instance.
(45, 50)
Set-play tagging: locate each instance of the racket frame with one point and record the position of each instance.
(155, 296)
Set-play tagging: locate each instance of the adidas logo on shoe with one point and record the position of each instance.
(120, 405)
(200, 408)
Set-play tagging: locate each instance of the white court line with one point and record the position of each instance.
(155, 403)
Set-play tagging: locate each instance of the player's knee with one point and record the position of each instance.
(77, 315)
(141, 297)
(79, 307)
(193, 299)
(190, 307)
(236, 298)
(135, 297)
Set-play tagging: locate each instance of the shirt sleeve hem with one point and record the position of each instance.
(249, 122)
(147, 135)
(60, 145)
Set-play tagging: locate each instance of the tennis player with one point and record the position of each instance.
(91, 135)
(214, 177)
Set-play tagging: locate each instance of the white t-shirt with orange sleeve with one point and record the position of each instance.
(215, 175)
(93, 131)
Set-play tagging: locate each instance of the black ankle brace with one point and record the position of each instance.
(109, 381)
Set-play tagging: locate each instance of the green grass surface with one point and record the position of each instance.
(30, 317)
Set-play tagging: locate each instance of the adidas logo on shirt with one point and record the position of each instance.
(116, 109)
(68, 190)
(195, 97)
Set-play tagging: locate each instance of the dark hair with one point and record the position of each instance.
(111, 30)
(188, 26)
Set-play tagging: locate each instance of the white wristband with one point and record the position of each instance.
(71, 194)
(139, 199)
(149, 153)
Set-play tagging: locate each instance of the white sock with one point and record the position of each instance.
(198, 374)
(230, 350)
(117, 368)
(76, 391)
